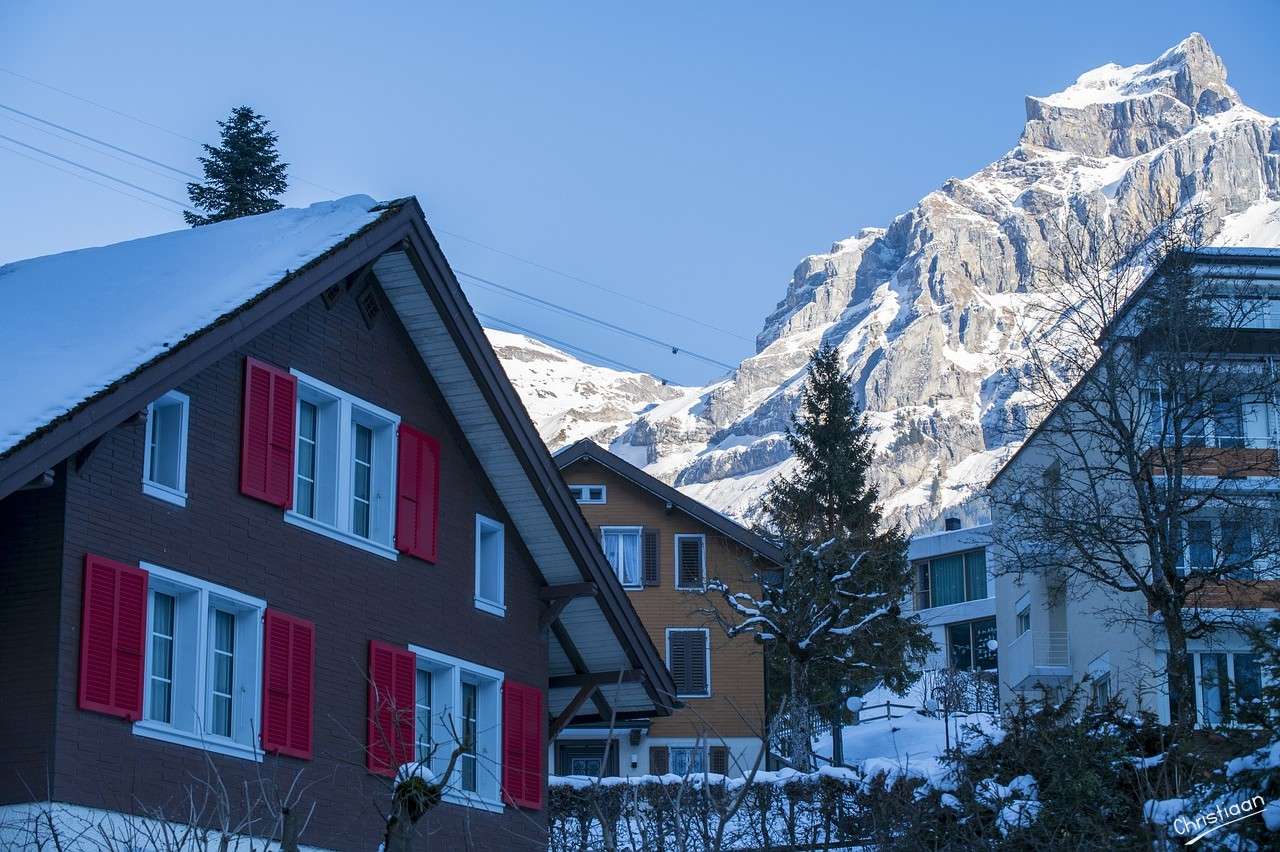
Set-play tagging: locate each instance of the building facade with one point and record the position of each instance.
(664, 547)
(311, 539)
(1055, 631)
(954, 596)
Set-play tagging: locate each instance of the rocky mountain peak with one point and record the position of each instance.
(932, 311)
(1125, 111)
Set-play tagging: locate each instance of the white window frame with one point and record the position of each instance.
(246, 724)
(341, 462)
(706, 638)
(691, 750)
(1021, 612)
(447, 675)
(639, 532)
(582, 494)
(499, 606)
(1197, 672)
(702, 586)
(176, 496)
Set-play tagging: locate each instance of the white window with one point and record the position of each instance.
(688, 760)
(622, 549)
(459, 703)
(1219, 543)
(691, 562)
(164, 459)
(490, 566)
(344, 467)
(203, 665)
(588, 493)
(1024, 619)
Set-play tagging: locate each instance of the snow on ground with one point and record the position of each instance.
(77, 322)
(909, 743)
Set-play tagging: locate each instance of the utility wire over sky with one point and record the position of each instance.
(141, 161)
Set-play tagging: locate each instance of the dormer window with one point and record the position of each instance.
(164, 463)
(586, 494)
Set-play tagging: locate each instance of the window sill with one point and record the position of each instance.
(385, 551)
(691, 588)
(454, 796)
(491, 607)
(205, 742)
(165, 493)
(699, 695)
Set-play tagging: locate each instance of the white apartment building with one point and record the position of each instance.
(1053, 635)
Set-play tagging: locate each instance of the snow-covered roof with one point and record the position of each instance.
(75, 323)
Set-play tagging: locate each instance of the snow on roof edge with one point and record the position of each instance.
(339, 222)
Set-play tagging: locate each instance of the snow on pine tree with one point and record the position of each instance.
(835, 604)
(243, 175)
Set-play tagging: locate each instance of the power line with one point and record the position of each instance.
(141, 121)
(675, 349)
(101, 142)
(180, 204)
(89, 179)
(589, 283)
(88, 147)
(573, 347)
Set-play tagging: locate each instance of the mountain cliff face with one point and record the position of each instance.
(930, 312)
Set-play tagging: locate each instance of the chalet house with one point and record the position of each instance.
(954, 596)
(272, 516)
(1053, 635)
(663, 547)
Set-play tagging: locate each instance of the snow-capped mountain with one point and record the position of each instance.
(569, 399)
(930, 312)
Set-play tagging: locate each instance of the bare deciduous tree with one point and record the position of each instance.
(1151, 396)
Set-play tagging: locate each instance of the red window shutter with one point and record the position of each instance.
(288, 674)
(417, 493)
(266, 452)
(522, 753)
(392, 672)
(113, 638)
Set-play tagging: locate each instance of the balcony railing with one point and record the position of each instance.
(1038, 655)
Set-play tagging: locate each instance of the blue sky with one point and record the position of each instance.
(687, 156)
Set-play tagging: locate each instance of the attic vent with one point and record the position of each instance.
(370, 304)
(331, 295)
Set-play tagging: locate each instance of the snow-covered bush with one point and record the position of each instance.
(779, 810)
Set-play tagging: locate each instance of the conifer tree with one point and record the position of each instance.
(835, 606)
(243, 175)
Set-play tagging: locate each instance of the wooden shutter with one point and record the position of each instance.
(522, 752)
(698, 670)
(687, 661)
(288, 675)
(651, 575)
(678, 660)
(417, 493)
(392, 675)
(113, 638)
(659, 760)
(719, 761)
(689, 562)
(266, 448)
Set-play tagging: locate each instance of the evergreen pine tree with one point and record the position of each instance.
(243, 174)
(834, 611)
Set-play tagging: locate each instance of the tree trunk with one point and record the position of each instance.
(1180, 675)
(289, 830)
(800, 734)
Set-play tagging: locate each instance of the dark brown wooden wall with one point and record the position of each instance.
(352, 596)
(30, 577)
